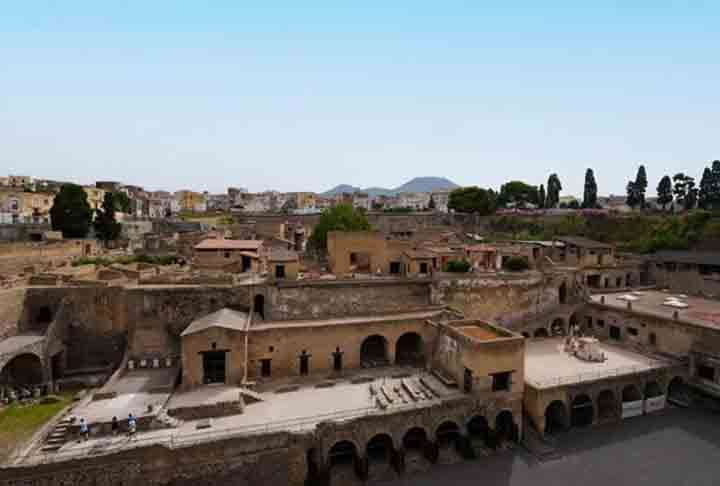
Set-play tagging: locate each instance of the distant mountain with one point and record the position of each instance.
(418, 184)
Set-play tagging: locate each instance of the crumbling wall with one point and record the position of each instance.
(11, 310)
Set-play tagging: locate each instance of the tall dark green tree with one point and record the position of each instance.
(640, 186)
(633, 197)
(705, 191)
(339, 218)
(473, 200)
(715, 185)
(122, 202)
(553, 191)
(431, 204)
(590, 192)
(685, 192)
(70, 213)
(665, 192)
(541, 196)
(106, 227)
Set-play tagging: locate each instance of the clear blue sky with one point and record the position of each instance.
(180, 94)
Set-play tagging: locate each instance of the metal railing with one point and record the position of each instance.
(594, 375)
(177, 439)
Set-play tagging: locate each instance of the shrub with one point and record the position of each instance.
(516, 264)
(457, 266)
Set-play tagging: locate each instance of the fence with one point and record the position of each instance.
(595, 375)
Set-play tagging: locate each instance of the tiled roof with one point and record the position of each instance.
(282, 255)
(226, 318)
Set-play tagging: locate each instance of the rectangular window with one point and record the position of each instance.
(588, 322)
(279, 271)
(601, 323)
(632, 331)
(265, 369)
(615, 333)
(706, 372)
(501, 381)
(423, 268)
(395, 268)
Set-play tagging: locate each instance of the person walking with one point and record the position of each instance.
(84, 430)
(114, 426)
(132, 426)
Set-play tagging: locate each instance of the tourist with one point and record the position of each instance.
(114, 426)
(84, 429)
(132, 426)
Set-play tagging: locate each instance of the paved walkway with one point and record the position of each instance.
(679, 447)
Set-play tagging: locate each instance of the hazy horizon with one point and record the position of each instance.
(180, 95)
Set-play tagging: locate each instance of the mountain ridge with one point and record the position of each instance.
(416, 184)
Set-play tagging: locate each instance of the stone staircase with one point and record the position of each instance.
(58, 436)
(403, 392)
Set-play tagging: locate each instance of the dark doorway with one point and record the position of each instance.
(555, 418)
(677, 390)
(562, 293)
(246, 264)
(373, 351)
(337, 360)
(415, 439)
(214, 366)
(479, 431)
(409, 350)
(304, 363)
(631, 394)
(652, 389)
(44, 315)
(380, 449)
(448, 435)
(593, 281)
(279, 271)
(615, 333)
(259, 305)
(467, 380)
(342, 454)
(265, 368)
(583, 411)
(505, 427)
(395, 268)
(541, 333)
(607, 406)
(557, 328)
(424, 268)
(22, 370)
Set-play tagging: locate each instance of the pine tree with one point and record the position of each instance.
(590, 193)
(106, 227)
(686, 194)
(633, 198)
(541, 197)
(714, 193)
(705, 192)
(640, 186)
(665, 191)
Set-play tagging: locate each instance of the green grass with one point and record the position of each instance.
(19, 422)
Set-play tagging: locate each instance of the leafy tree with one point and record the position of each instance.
(106, 227)
(517, 194)
(686, 193)
(473, 200)
(553, 191)
(339, 218)
(122, 202)
(70, 213)
(590, 193)
(541, 196)
(431, 204)
(705, 192)
(516, 264)
(665, 191)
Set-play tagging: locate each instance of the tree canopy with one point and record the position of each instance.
(541, 196)
(71, 214)
(473, 200)
(664, 191)
(686, 193)
(121, 202)
(553, 191)
(339, 218)
(106, 227)
(590, 192)
(636, 189)
(517, 194)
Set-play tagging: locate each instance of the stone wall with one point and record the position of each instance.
(312, 300)
(687, 281)
(15, 257)
(11, 311)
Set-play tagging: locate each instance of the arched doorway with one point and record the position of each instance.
(562, 293)
(342, 459)
(607, 406)
(541, 333)
(631, 394)
(373, 351)
(479, 432)
(677, 391)
(556, 419)
(23, 370)
(652, 390)
(447, 435)
(417, 449)
(505, 427)
(259, 305)
(583, 412)
(380, 452)
(409, 350)
(557, 328)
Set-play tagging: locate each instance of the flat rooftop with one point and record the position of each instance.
(548, 366)
(479, 333)
(338, 321)
(700, 312)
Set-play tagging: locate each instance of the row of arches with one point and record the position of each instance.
(23, 370)
(380, 452)
(409, 350)
(584, 412)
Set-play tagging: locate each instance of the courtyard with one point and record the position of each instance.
(677, 447)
